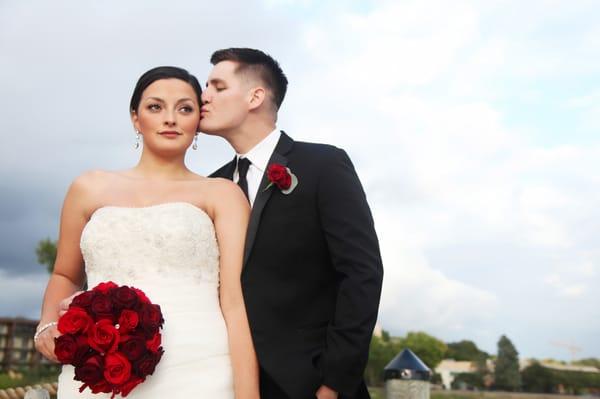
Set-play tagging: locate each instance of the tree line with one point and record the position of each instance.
(505, 375)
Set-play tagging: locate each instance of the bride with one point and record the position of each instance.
(175, 235)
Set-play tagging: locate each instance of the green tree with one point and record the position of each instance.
(465, 351)
(429, 349)
(46, 253)
(506, 373)
(591, 361)
(385, 335)
(537, 378)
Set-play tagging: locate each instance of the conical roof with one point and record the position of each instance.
(406, 366)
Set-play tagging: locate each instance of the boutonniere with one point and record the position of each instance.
(281, 177)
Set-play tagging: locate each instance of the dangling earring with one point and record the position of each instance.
(137, 139)
(195, 145)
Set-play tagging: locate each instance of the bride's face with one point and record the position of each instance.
(167, 116)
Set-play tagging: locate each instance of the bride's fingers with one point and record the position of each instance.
(44, 350)
(65, 303)
(45, 344)
(54, 333)
(50, 350)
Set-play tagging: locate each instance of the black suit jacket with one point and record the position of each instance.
(312, 273)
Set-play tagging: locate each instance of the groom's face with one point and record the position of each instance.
(225, 101)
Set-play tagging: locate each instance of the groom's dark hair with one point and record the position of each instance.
(260, 64)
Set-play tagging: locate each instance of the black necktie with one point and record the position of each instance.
(242, 166)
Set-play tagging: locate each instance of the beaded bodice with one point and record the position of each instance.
(172, 241)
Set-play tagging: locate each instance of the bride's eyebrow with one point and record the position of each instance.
(155, 99)
(162, 101)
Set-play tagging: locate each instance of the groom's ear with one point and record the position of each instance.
(257, 97)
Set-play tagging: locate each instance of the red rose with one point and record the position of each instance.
(128, 321)
(153, 344)
(84, 300)
(147, 364)
(117, 368)
(141, 296)
(103, 336)
(127, 387)
(105, 287)
(83, 350)
(91, 371)
(124, 297)
(151, 318)
(74, 320)
(102, 306)
(65, 348)
(101, 387)
(279, 175)
(133, 347)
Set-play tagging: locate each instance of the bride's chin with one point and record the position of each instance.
(168, 150)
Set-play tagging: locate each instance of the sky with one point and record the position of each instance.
(473, 126)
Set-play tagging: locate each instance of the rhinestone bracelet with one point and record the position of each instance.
(43, 328)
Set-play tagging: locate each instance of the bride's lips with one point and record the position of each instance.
(170, 134)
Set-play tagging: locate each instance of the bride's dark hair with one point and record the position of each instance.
(162, 72)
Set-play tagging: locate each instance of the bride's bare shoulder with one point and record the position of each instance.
(94, 178)
(91, 186)
(220, 184)
(224, 191)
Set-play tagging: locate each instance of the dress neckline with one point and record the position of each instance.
(147, 207)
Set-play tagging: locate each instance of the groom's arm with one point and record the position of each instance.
(354, 249)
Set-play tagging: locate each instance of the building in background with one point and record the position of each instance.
(448, 369)
(17, 350)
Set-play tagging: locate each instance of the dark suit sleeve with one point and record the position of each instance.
(354, 249)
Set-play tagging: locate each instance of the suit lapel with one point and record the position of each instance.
(227, 170)
(262, 197)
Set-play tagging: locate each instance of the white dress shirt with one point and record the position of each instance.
(259, 157)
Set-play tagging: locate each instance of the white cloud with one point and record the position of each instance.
(586, 101)
(563, 288)
(417, 296)
(21, 295)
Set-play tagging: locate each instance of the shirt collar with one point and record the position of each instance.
(260, 154)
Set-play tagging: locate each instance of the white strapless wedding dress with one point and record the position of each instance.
(170, 252)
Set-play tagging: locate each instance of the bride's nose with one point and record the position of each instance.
(170, 119)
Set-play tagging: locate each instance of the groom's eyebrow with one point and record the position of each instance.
(214, 81)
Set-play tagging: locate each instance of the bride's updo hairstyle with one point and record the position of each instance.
(158, 73)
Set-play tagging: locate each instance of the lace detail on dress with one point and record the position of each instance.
(175, 240)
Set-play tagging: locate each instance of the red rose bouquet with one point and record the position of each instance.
(111, 336)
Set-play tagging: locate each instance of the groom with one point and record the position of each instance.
(312, 269)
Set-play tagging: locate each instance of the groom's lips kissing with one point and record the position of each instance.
(169, 134)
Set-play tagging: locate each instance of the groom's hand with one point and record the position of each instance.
(324, 392)
(64, 304)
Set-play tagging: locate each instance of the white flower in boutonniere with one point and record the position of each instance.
(281, 177)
